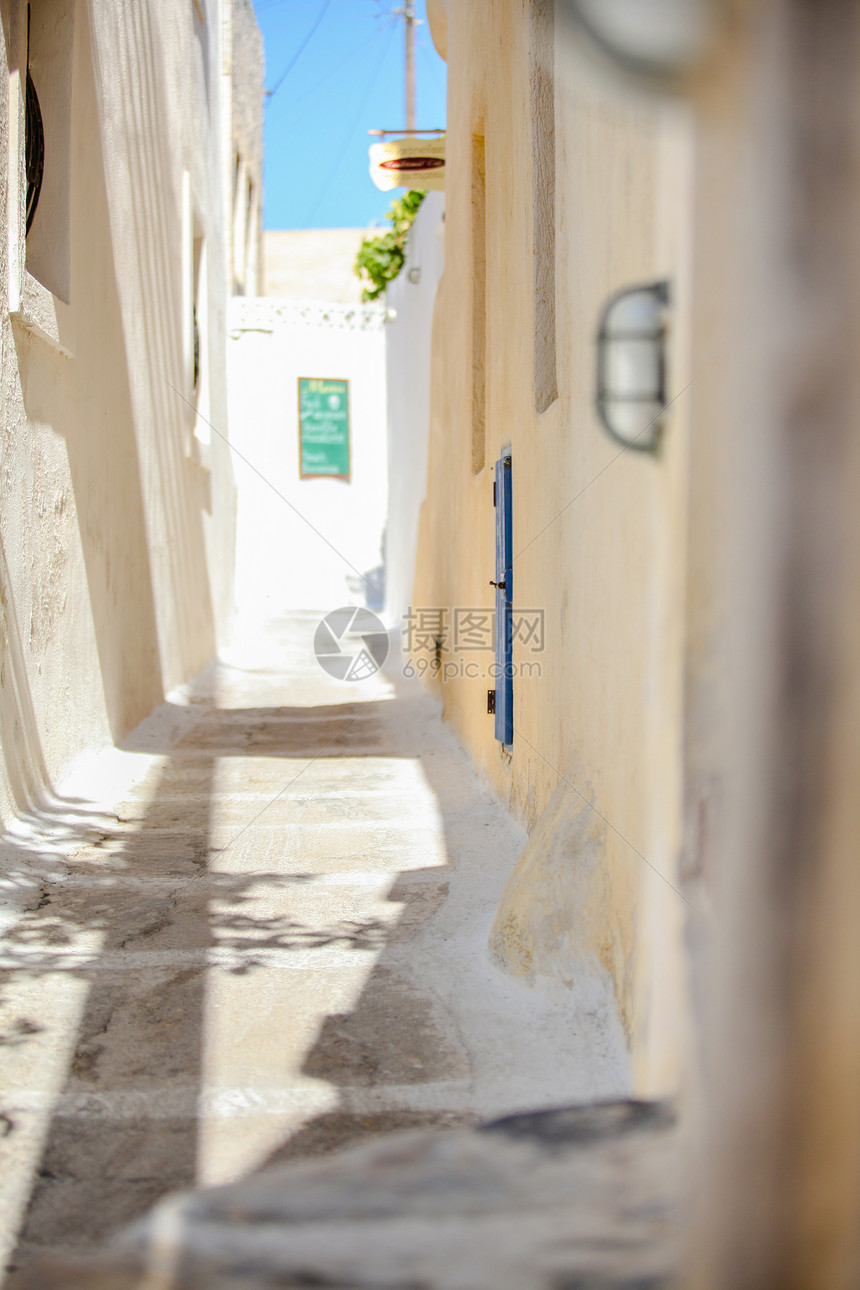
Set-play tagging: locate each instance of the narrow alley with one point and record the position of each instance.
(271, 944)
(429, 639)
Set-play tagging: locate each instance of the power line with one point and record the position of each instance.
(348, 139)
(409, 28)
(292, 104)
(301, 49)
(432, 64)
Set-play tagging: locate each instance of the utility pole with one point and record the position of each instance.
(409, 25)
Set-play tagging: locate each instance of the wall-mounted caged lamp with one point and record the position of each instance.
(631, 366)
(661, 40)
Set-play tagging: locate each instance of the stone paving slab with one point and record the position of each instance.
(265, 946)
(311, 807)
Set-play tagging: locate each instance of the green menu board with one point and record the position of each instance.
(323, 428)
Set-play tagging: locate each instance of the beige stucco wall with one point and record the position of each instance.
(312, 264)
(116, 518)
(597, 734)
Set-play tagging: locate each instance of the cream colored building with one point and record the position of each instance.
(561, 191)
(116, 485)
(687, 760)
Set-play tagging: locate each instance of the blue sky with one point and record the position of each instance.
(347, 80)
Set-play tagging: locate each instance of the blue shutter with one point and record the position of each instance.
(504, 599)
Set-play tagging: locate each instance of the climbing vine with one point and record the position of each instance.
(381, 258)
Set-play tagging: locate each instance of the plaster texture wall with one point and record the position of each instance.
(563, 187)
(306, 543)
(410, 299)
(312, 264)
(116, 521)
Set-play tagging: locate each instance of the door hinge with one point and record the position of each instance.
(495, 503)
(491, 702)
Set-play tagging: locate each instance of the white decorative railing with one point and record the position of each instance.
(269, 313)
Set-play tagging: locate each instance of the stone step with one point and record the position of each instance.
(579, 1198)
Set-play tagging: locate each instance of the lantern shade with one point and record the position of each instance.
(663, 38)
(408, 163)
(631, 366)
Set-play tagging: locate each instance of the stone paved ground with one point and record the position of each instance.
(258, 934)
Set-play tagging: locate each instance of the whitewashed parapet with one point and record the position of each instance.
(263, 313)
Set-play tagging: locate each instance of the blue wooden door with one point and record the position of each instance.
(504, 600)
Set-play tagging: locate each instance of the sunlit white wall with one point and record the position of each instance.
(410, 299)
(312, 543)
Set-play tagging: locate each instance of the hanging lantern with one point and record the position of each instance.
(408, 163)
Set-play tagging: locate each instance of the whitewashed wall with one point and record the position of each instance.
(116, 518)
(408, 343)
(305, 544)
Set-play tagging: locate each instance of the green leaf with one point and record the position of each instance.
(380, 258)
